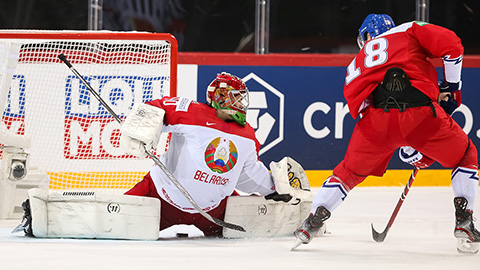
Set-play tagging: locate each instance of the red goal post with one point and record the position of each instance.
(74, 140)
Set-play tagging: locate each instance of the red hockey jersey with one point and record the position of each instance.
(408, 46)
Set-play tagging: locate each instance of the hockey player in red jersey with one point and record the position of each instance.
(394, 89)
(212, 152)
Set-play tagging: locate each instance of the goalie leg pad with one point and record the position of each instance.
(264, 218)
(88, 214)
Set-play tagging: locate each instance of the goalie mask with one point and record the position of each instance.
(229, 94)
(374, 24)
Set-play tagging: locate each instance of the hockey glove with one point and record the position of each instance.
(454, 93)
(143, 126)
(413, 157)
(133, 146)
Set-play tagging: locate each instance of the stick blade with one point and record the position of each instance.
(378, 237)
(228, 225)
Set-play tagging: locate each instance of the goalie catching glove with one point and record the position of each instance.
(413, 157)
(290, 181)
(142, 128)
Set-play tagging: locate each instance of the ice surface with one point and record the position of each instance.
(420, 238)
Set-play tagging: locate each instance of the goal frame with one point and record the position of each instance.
(99, 35)
(13, 193)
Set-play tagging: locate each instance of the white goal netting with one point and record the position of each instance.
(74, 140)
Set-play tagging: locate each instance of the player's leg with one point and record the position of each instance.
(170, 215)
(369, 151)
(465, 177)
(146, 187)
(461, 155)
(439, 137)
(465, 187)
(367, 154)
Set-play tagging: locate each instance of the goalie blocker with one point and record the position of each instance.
(88, 214)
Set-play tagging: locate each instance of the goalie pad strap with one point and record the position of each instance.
(84, 214)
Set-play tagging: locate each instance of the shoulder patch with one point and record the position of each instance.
(420, 23)
(183, 104)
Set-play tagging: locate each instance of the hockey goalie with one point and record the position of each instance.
(214, 156)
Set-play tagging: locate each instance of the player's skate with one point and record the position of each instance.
(468, 237)
(311, 226)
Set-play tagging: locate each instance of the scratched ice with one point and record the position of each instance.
(420, 238)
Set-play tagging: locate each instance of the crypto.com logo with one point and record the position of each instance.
(267, 122)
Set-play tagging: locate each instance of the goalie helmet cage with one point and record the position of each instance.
(74, 140)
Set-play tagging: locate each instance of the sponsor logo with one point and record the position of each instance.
(266, 111)
(211, 124)
(13, 118)
(90, 132)
(183, 104)
(78, 193)
(113, 208)
(262, 210)
(221, 155)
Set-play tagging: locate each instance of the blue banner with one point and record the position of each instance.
(301, 112)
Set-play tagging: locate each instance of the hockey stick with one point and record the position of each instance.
(379, 237)
(152, 156)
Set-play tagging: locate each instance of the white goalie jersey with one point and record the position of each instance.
(208, 156)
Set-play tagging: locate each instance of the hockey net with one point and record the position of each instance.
(74, 140)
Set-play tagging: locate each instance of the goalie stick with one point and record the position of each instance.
(152, 156)
(380, 237)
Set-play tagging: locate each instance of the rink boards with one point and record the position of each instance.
(296, 108)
